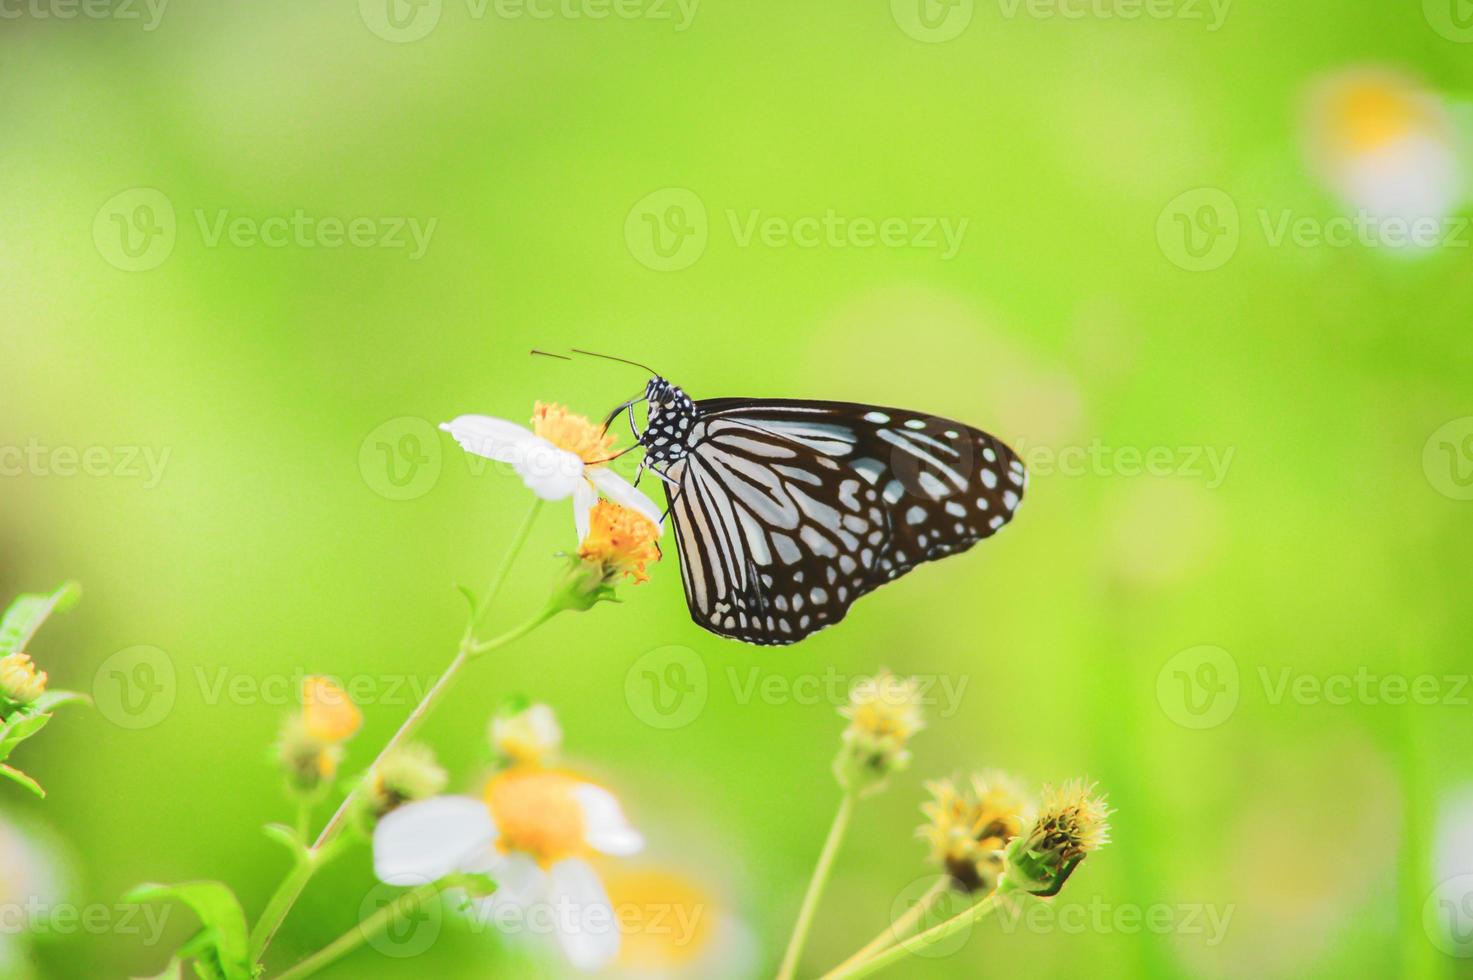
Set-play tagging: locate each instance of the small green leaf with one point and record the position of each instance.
(10, 772)
(49, 701)
(220, 948)
(476, 885)
(287, 838)
(28, 612)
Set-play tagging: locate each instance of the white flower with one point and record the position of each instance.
(530, 833)
(562, 456)
(1389, 149)
(527, 735)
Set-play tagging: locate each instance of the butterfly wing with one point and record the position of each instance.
(786, 512)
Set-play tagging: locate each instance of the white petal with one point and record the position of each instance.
(583, 917)
(495, 439)
(425, 841)
(584, 497)
(622, 492)
(548, 471)
(520, 881)
(605, 827)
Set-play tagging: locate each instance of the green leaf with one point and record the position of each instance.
(51, 700)
(220, 948)
(287, 838)
(9, 772)
(27, 720)
(28, 612)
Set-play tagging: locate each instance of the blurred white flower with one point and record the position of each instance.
(677, 927)
(1389, 149)
(29, 878)
(562, 456)
(532, 832)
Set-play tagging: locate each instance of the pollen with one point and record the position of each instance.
(537, 812)
(573, 433)
(620, 541)
(329, 714)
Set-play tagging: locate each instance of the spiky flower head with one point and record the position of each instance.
(406, 774)
(884, 711)
(968, 827)
(572, 432)
(1072, 821)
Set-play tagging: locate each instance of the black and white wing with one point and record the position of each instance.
(786, 512)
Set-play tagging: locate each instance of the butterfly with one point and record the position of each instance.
(785, 512)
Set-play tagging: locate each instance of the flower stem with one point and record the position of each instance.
(816, 884)
(519, 538)
(361, 933)
(291, 887)
(962, 920)
(898, 929)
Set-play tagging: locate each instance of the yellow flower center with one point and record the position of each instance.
(1371, 112)
(328, 712)
(620, 540)
(573, 433)
(669, 920)
(536, 812)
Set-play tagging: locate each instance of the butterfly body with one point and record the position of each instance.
(787, 511)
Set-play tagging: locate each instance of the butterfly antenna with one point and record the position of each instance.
(622, 360)
(543, 353)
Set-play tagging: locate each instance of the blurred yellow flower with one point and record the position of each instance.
(532, 831)
(676, 927)
(528, 734)
(884, 711)
(619, 542)
(968, 828)
(20, 681)
(328, 713)
(1387, 146)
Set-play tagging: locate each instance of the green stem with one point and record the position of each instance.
(816, 884)
(361, 933)
(935, 934)
(291, 887)
(898, 929)
(519, 538)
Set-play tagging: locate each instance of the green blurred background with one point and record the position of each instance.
(273, 541)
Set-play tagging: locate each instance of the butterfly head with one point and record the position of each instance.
(671, 414)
